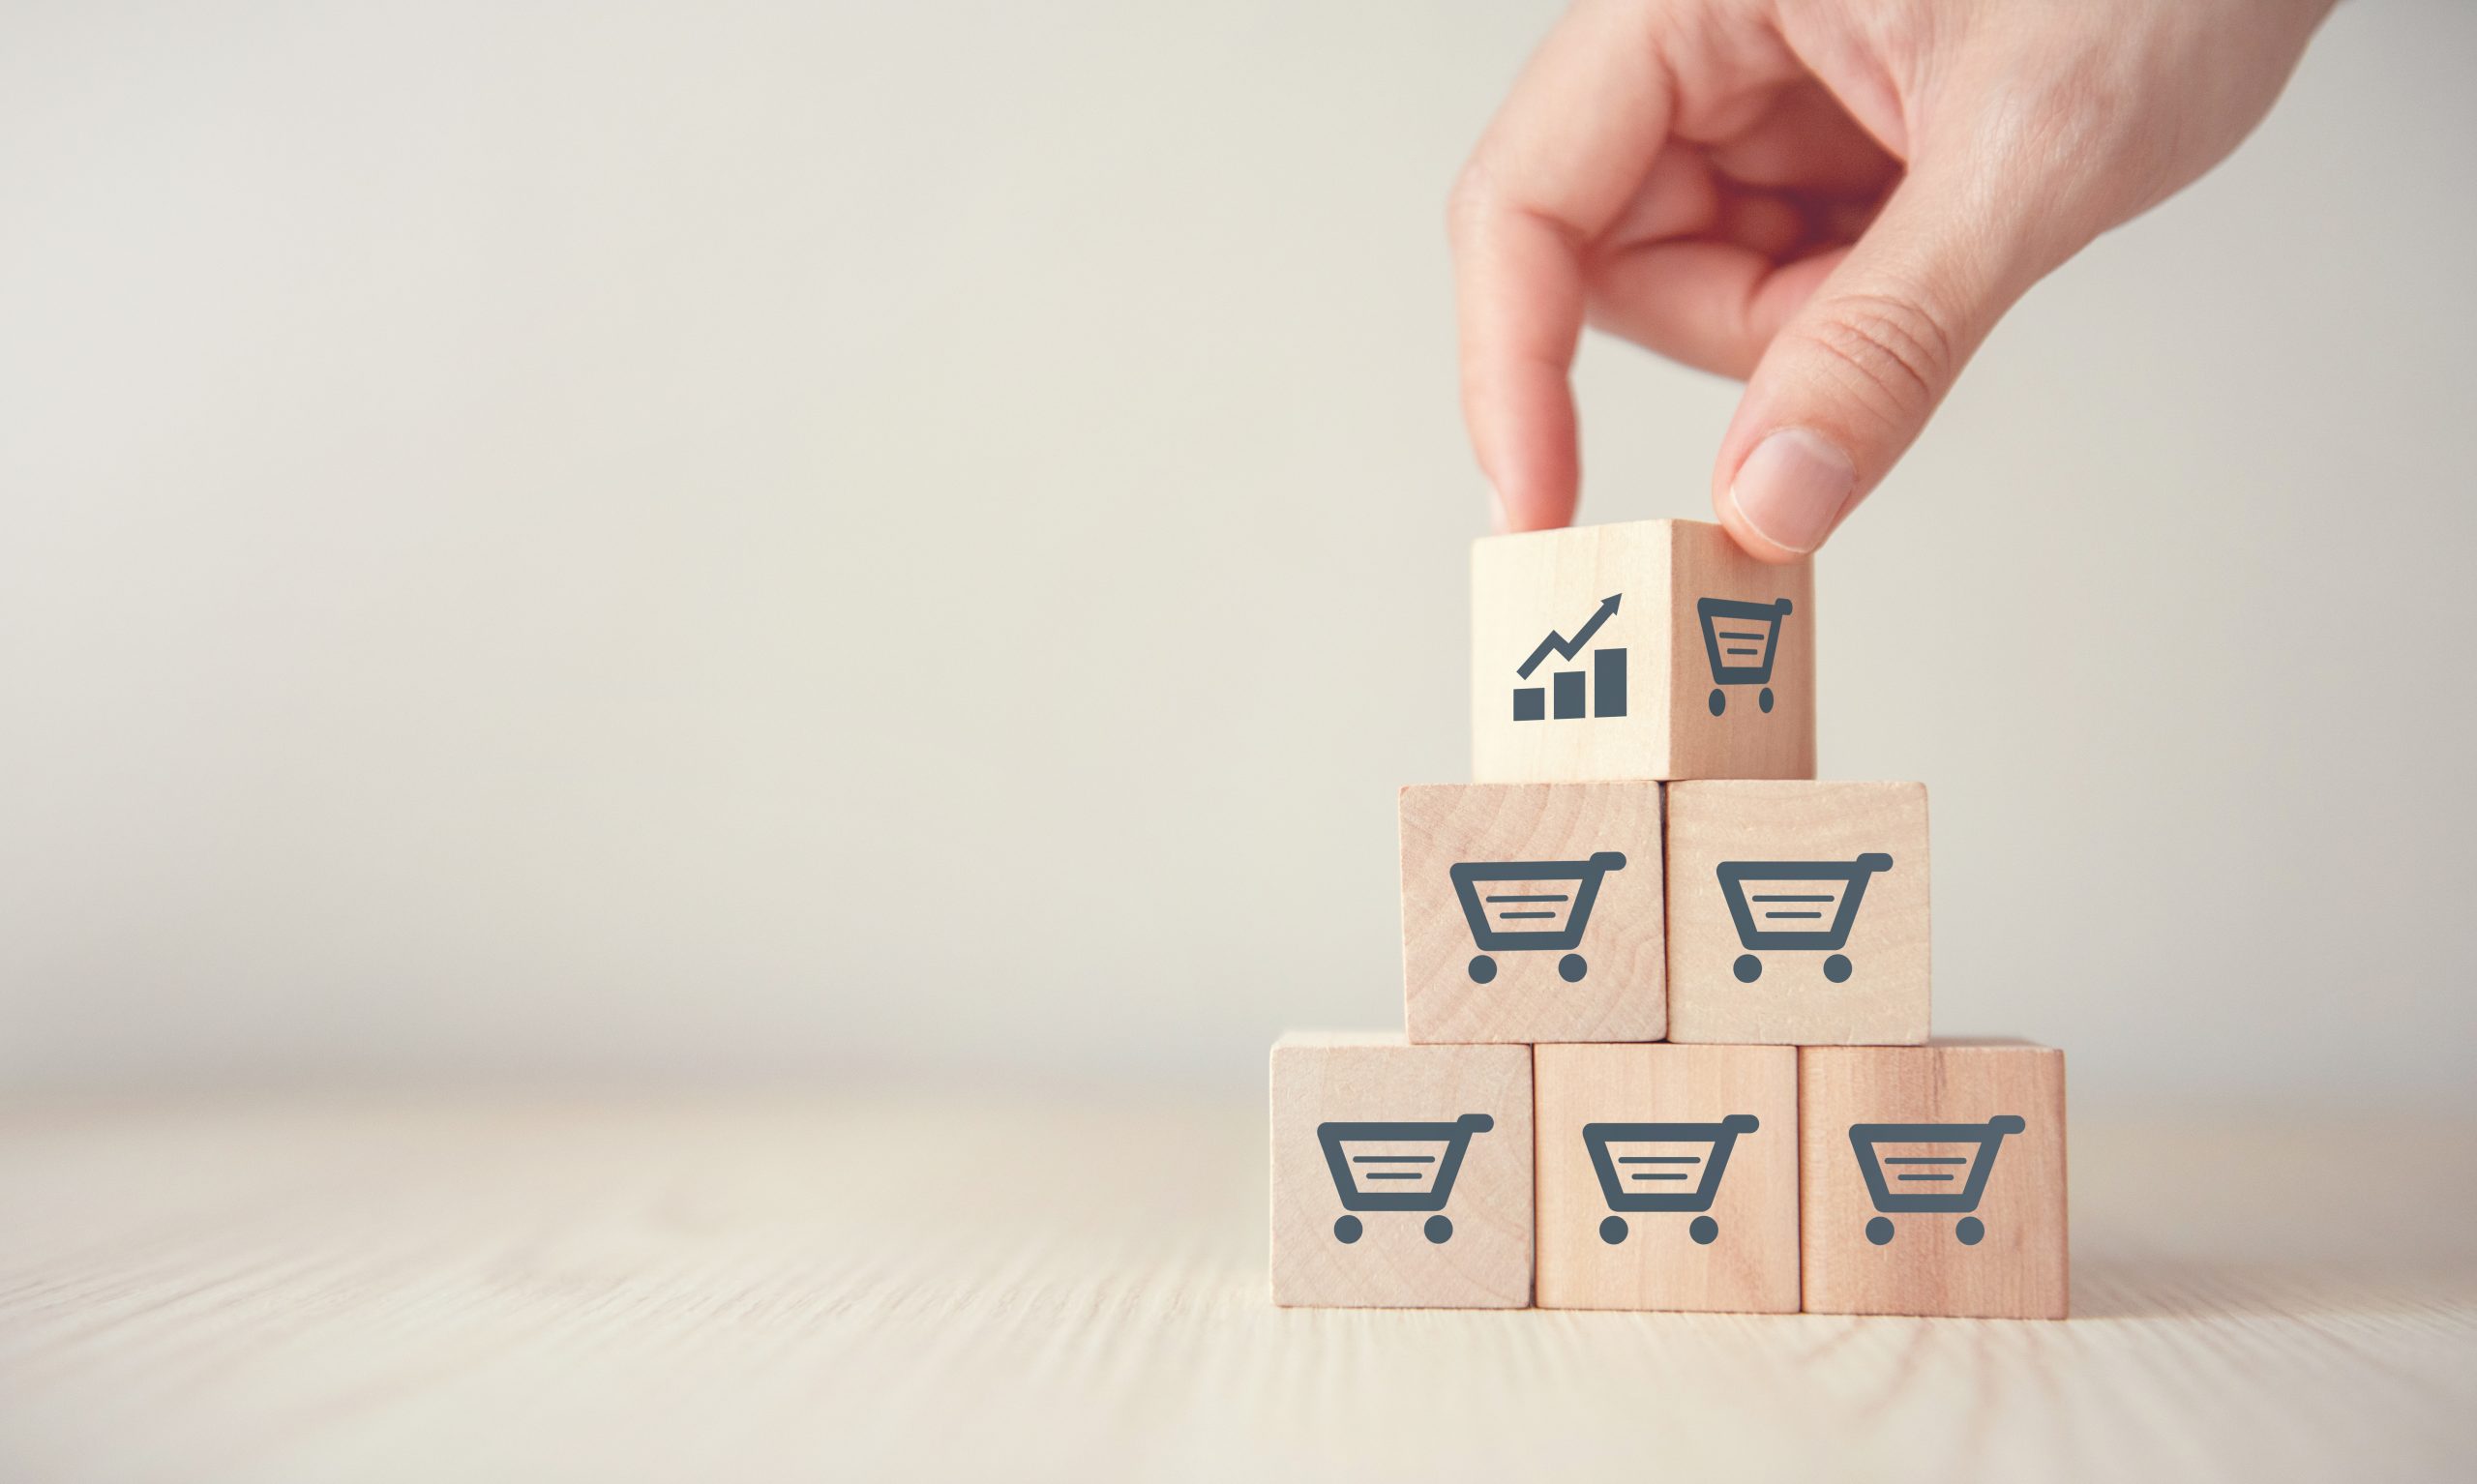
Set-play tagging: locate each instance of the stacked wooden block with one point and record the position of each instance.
(1666, 994)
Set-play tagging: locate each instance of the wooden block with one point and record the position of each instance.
(1933, 1180)
(1668, 1177)
(1532, 912)
(1646, 649)
(1798, 913)
(1401, 1174)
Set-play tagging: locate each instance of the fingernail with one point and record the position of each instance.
(1792, 487)
(1497, 516)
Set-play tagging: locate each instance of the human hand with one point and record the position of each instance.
(1834, 199)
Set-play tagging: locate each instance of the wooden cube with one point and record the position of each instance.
(1647, 650)
(1933, 1180)
(1668, 1177)
(1532, 912)
(1401, 1174)
(1798, 913)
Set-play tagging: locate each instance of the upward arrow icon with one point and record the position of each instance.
(1567, 648)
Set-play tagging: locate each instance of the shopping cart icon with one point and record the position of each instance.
(1397, 1167)
(1646, 1166)
(1799, 906)
(1741, 639)
(1531, 906)
(1937, 1168)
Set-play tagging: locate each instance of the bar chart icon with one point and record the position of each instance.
(1573, 694)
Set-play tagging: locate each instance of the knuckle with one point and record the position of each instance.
(1892, 351)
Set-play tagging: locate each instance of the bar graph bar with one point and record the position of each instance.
(1608, 682)
(1569, 684)
(1529, 703)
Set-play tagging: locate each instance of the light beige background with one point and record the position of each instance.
(596, 541)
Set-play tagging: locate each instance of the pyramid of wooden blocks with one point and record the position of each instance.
(1666, 996)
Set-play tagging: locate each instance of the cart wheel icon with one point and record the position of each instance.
(1748, 968)
(1613, 1230)
(1438, 1229)
(1879, 1231)
(1836, 968)
(1765, 700)
(1970, 1229)
(1571, 969)
(1482, 970)
(1347, 1230)
(1720, 702)
(1704, 1230)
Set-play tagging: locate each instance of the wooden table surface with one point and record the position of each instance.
(709, 1288)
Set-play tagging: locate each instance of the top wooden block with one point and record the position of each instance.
(1648, 650)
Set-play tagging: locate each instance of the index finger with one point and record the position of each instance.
(1557, 163)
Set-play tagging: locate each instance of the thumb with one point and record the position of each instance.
(1850, 380)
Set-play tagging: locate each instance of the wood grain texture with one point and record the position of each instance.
(1471, 1250)
(1751, 1263)
(759, 1289)
(1794, 1001)
(1623, 955)
(1526, 586)
(2020, 1266)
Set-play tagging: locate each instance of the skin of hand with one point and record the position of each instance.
(1831, 200)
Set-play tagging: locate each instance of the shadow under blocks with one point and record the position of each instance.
(1667, 996)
